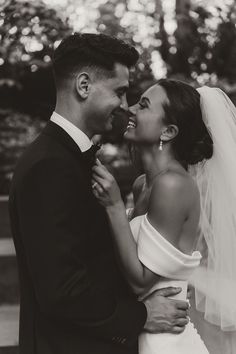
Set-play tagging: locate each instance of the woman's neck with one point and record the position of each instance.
(155, 161)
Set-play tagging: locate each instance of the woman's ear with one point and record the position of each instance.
(83, 85)
(169, 132)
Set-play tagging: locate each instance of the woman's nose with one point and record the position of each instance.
(132, 110)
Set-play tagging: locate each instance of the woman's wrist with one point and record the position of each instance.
(115, 207)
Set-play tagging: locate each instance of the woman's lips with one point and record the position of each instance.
(131, 124)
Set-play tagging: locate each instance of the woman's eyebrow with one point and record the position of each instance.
(146, 99)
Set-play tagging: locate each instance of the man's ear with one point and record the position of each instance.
(83, 85)
(169, 132)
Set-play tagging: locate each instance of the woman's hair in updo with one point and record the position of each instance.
(193, 142)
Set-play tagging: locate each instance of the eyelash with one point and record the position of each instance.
(142, 105)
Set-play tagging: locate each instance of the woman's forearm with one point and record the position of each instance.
(134, 271)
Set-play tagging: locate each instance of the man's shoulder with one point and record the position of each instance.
(44, 147)
(44, 152)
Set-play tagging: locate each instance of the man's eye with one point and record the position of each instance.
(120, 94)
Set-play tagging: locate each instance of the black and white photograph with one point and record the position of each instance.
(118, 177)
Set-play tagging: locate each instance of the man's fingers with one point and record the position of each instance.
(181, 313)
(182, 322)
(182, 305)
(190, 292)
(177, 329)
(170, 291)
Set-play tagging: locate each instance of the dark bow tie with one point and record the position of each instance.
(90, 154)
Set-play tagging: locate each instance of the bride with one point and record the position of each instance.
(173, 127)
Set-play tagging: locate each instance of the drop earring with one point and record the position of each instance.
(161, 145)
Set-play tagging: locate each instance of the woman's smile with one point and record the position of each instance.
(131, 124)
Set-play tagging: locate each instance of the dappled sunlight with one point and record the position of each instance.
(141, 21)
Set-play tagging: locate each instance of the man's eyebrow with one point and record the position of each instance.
(123, 88)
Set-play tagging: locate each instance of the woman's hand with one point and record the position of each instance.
(104, 186)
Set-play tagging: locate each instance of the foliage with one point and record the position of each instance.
(28, 33)
(201, 49)
(17, 130)
(203, 46)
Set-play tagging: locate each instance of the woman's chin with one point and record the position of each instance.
(129, 134)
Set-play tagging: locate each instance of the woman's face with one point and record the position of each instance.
(146, 121)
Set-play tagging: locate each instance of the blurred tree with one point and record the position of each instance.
(112, 21)
(28, 33)
(180, 39)
(118, 18)
(17, 130)
(202, 48)
(224, 50)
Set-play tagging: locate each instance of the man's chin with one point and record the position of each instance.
(109, 126)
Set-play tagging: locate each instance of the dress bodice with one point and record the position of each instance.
(161, 257)
(174, 267)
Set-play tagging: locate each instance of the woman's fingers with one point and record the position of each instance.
(94, 184)
(98, 189)
(99, 180)
(101, 185)
(104, 178)
(102, 171)
(104, 185)
(98, 162)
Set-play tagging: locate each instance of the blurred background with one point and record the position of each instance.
(192, 40)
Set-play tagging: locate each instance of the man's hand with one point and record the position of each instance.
(165, 315)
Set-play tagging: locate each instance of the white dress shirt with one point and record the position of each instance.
(79, 137)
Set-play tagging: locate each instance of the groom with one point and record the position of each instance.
(74, 299)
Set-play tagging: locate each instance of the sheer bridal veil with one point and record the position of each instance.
(215, 280)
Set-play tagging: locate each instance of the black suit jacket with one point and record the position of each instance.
(73, 297)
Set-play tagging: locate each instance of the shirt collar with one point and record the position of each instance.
(79, 137)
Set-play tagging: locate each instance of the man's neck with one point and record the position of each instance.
(74, 116)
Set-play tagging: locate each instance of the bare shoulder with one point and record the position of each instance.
(173, 208)
(174, 181)
(174, 189)
(138, 186)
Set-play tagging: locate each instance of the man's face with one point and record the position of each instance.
(107, 96)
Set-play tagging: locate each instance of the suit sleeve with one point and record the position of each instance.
(50, 203)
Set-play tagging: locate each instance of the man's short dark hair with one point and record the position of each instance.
(88, 50)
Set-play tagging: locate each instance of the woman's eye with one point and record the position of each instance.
(141, 105)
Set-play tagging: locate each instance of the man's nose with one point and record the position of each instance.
(124, 104)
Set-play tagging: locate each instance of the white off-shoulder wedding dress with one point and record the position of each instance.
(175, 267)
